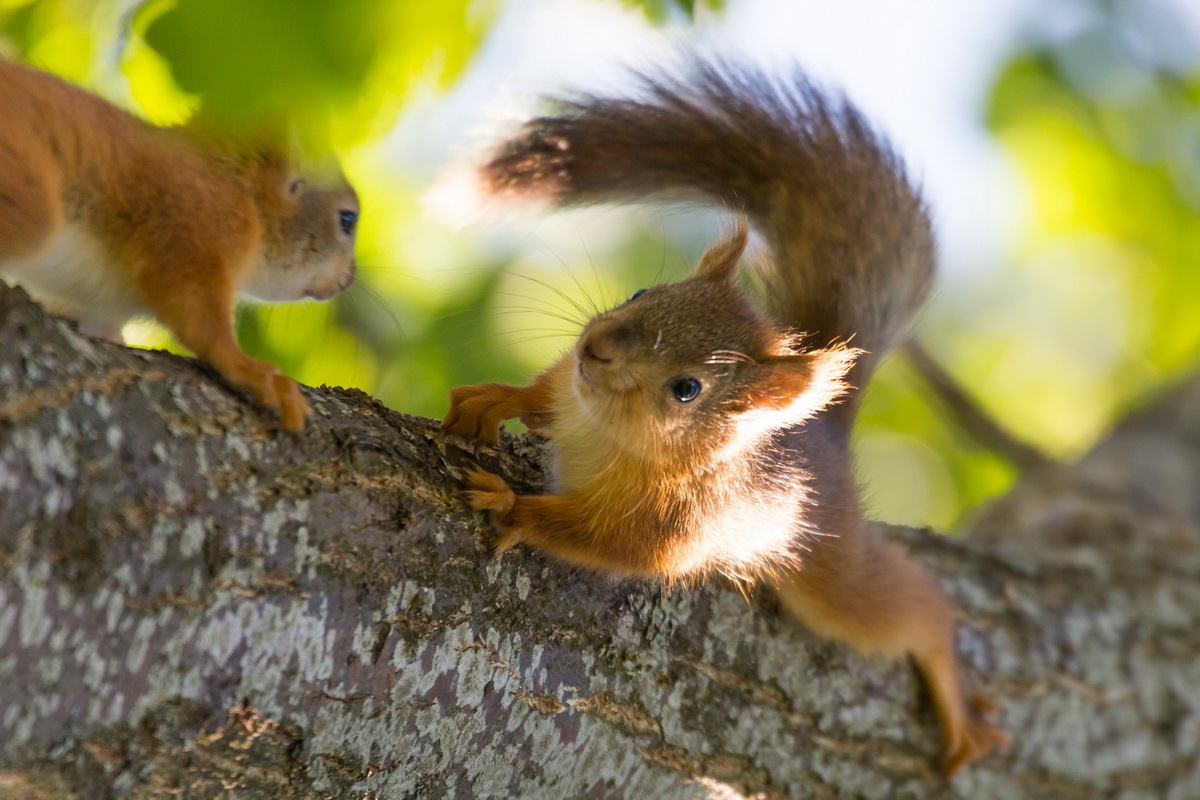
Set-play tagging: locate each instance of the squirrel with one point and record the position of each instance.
(692, 432)
(105, 217)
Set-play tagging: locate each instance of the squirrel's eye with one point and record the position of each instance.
(636, 295)
(347, 220)
(685, 389)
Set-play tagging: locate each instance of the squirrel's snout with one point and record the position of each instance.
(589, 354)
(593, 347)
(604, 341)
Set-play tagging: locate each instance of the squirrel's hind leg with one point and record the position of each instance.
(865, 590)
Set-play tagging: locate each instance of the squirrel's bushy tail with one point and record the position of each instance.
(853, 251)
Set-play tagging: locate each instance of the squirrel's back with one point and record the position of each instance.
(852, 247)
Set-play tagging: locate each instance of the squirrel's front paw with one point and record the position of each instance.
(477, 411)
(538, 423)
(294, 410)
(491, 493)
(978, 737)
(274, 392)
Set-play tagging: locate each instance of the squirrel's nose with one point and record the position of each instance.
(593, 348)
(604, 341)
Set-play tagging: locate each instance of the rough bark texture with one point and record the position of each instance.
(193, 606)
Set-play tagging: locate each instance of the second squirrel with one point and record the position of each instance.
(692, 432)
(104, 217)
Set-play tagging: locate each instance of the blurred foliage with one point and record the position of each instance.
(344, 63)
(1096, 310)
(1098, 307)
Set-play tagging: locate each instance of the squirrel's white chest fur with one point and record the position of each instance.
(74, 274)
(717, 530)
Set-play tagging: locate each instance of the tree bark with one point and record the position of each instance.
(192, 605)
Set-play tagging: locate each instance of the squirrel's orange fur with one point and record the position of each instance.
(693, 432)
(105, 217)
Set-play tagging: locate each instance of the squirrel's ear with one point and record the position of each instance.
(721, 260)
(798, 385)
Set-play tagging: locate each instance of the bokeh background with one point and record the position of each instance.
(1058, 141)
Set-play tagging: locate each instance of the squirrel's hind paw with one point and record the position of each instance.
(978, 737)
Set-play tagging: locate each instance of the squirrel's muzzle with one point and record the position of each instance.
(606, 351)
(605, 341)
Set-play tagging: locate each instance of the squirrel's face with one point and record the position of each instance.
(696, 364)
(308, 241)
(649, 360)
(671, 361)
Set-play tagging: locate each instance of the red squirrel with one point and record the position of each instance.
(104, 217)
(693, 431)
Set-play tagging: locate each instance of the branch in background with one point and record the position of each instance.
(969, 414)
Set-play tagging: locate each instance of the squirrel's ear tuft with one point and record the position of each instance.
(798, 385)
(721, 260)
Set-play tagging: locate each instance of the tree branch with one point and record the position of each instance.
(191, 604)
